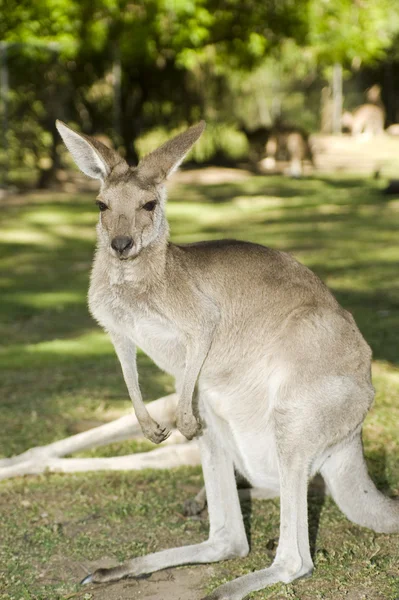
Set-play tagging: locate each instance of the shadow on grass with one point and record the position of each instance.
(377, 467)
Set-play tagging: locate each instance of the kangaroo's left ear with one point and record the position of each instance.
(160, 163)
(92, 157)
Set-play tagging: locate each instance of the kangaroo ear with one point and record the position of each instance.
(91, 156)
(160, 163)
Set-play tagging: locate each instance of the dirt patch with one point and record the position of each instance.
(186, 583)
(182, 583)
(346, 154)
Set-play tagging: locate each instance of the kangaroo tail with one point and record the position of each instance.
(345, 473)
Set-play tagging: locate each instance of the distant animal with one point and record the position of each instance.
(367, 119)
(291, 144)
(280, 142)
(272, 375)
(393, 129)
(373, 95)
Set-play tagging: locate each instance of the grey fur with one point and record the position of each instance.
(281, 370)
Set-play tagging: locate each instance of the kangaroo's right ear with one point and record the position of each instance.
(91, 156)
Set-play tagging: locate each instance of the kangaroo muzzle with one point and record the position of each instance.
(122, 244)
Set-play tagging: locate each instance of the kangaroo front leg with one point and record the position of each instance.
(196, 353)
(126, 352)
(227, 537)
(293, 558)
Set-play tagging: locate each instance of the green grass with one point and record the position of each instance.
(58, 368)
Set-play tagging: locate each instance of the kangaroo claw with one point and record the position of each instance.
(156, 433)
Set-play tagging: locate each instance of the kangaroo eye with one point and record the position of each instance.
(149, 206)
(101, 205)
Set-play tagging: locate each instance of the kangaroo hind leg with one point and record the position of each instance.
(346, 475)
(293, 559)
(227, 537)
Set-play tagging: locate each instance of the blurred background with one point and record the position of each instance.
(134, 71)
(301, 152)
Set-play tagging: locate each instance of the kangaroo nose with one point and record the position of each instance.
(121, 243)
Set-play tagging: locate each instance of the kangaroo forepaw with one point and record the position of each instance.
(155, 433)
(188, 425)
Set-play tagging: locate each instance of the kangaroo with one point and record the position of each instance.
(280, 142)
(272, 375)
(289, 143)
(367, 119)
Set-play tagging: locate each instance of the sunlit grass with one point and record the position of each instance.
(46, 300)
(16, 236)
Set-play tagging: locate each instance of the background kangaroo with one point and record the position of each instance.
(280, 142)
(367, 119)
(282, 372)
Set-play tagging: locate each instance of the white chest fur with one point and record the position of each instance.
(119, 310)
(160, 340)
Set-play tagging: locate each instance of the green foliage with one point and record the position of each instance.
(179, 60)
(347, 30)
(40, 24)
(218, 139)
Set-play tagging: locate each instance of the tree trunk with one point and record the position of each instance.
(131, 129)
(129, 136)
(116, 83)
(4, 91)
(337, 98)
(47, 177)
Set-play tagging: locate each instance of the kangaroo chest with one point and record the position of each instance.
(123, 313)
(162, 343)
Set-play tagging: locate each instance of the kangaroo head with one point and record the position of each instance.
(131, 199)
(347, 119)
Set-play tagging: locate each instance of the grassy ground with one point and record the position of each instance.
(58, 369)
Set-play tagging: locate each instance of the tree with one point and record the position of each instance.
(120, 67)
(350, 32)
(160, 45)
